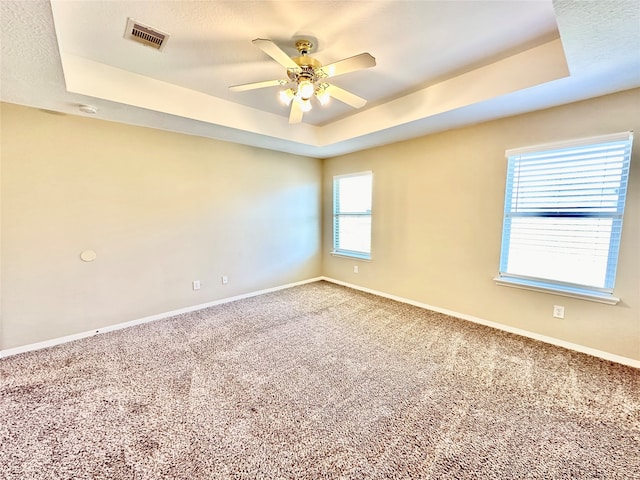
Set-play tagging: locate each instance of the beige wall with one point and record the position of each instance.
(163, 209)
(437, 224)
(160, 210)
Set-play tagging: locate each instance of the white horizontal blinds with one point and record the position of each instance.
(580, 181)
(563, 212)
(352, 213)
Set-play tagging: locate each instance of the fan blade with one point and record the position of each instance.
(253, 86)
(274, 51)
(296, 112)
(346, 97)
(351, 64)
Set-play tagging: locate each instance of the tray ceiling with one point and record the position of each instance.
(440, 64)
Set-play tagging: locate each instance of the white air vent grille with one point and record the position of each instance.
(146, 35)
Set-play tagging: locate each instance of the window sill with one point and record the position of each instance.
(591, 296)
(353, 255)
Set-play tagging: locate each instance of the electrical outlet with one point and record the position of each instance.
(225, 279)
(355, 269)
(196, 284)
(558, 311)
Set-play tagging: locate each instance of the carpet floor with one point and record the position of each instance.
(316, 382)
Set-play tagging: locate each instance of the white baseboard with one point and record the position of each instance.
(110, 328)
(525, 333)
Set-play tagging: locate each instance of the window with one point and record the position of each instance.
(352, 215)
(563, 216)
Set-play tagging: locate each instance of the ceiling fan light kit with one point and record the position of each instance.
(307, 78)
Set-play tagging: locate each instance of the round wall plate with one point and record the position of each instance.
(88, 256)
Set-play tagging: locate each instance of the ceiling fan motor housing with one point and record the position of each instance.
(308, 65)
(306, 72)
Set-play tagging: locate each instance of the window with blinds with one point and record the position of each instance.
(564, 206)
(352, 196)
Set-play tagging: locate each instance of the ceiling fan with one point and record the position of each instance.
(307, 78)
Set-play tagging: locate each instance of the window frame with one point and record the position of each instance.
(602, 294)
(341, 252)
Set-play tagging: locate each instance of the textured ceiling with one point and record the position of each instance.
(440, 64)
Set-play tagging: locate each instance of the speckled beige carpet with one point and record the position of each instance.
(316, 382)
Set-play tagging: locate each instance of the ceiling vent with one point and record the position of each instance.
(146, 35)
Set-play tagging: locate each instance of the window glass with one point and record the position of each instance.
(563, 214)
(352, 197)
